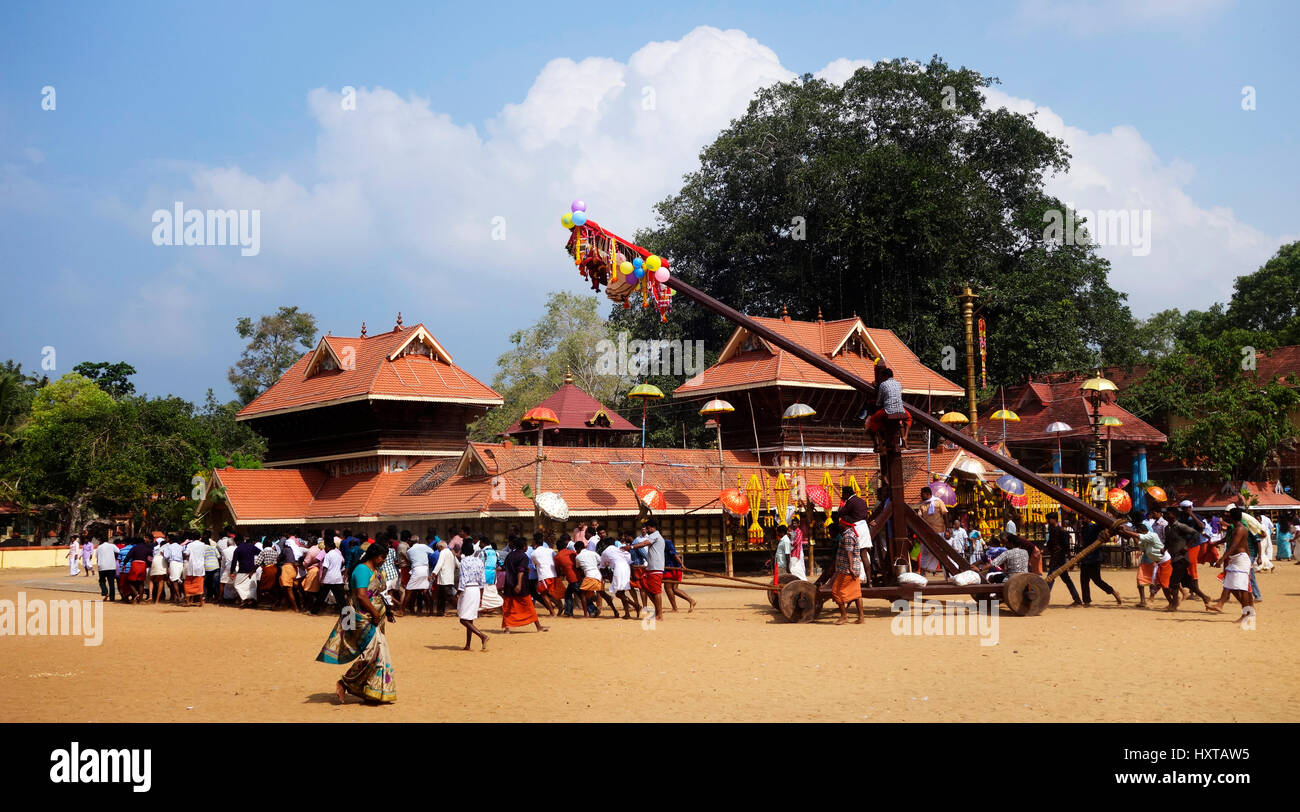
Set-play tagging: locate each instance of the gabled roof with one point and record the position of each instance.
(576, 410)
(768, 365)
(406, 363)
(1040, 404)
(1209, 497)
(488, 479)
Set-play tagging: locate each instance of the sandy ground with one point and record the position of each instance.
(733, 659)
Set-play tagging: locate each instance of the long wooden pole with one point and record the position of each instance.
(918, 415)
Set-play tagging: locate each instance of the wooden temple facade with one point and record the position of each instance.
(370, 432)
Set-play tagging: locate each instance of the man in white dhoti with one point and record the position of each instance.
(417, 584)
(470, 591)
(1236, 569)
(618, 559)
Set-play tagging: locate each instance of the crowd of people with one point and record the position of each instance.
(1169, 542)
(370, 581)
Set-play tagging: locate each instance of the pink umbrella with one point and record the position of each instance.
(945, 492)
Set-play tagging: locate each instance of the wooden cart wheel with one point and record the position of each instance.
(1027, 594)
(799, 601)
(774, 597)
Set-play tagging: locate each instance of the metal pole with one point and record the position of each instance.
(918, 415)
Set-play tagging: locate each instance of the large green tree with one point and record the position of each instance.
(882, 198)
(1268, 300)
(275, 342)
(112, 378)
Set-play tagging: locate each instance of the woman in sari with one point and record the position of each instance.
(359, 635)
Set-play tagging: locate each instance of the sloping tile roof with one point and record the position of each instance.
(740, 370)
(1212, 497)
(374, 375)
(488, 480)
(1040, 404)
(574, 408)
(278, 493)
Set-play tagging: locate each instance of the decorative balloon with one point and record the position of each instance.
(626, 269)
(653, 262)
(661, 276)
(638, 272)
(578, 205)
(638, 262)
(567, 220)
(579, 218)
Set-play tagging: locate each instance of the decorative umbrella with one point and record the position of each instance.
(1011, 485)
(645, 393)
(818, 496)
(945, 492)
(651, 497)
(970, 465)
(553, 505)
(1110, 421)
(715, 409)
(954, 418)
(1157, 493)
(1119, 499)
(734, 501)
(1058, 428)
(797, 412)
(541, 416)
(1005, 416)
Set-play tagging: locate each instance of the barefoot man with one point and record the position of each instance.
(846, 587)
(1236, 567)
(471, 593)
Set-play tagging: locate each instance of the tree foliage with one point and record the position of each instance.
(1201, 381)
(883, 197)
(112, 378)
(275, 343)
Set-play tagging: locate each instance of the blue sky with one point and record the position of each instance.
(470, 112)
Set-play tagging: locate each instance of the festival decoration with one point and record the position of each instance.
(954, 418)
(1119, 499)
(1011, 485)
(734, 501)
(828, 485)
(553, 505)
(782, 488)
(651, 497)
(818, 496)
(755, 493)
(1157, 493)
(621, 267)
(946, 493)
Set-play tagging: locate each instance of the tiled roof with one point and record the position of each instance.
(283, 493)
(770, 365)
(488, 480)
(1213, 497)
(374, 374)
(1040, 404)
(575, 408)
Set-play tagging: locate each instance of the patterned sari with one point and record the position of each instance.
(356, 637)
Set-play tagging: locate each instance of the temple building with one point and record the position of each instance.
(761, 381)
(584, 421)
(370, 432)
(373, 403)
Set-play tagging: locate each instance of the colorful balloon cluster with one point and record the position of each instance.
(638, 267)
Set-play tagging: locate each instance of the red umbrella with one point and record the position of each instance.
(653, 498)
(735, 502)
(1119, 499)
(818, 496)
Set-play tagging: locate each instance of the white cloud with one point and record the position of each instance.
(397, 210)
(1195, 251)
(838, 71)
